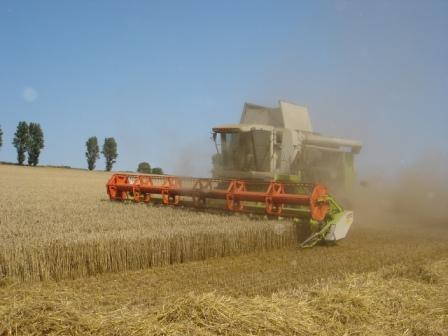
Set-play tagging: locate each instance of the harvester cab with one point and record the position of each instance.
(279, 144)
(271, 163)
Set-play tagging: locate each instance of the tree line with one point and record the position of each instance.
(93, 152)
(110, 154)
(145, 168)
(29, 141)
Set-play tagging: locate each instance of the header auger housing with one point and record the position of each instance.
(260, 167)
(306, 202)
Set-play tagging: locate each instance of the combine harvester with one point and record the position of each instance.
(261, 166)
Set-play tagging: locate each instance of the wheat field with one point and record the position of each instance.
(59, 223)
(73, 263)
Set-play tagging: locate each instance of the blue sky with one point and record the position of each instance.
(157, 75)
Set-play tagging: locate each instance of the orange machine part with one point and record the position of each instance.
(235, 192)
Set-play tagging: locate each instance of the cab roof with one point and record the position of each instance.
(237, 128)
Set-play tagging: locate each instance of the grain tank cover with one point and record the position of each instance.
(287, 115)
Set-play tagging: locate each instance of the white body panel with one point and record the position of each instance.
(340, 229)
(287, 115)
(295, 117)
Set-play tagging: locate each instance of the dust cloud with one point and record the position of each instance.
(194, 158)
(416, 195)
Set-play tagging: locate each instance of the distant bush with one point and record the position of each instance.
(144, 168)
(157, 171)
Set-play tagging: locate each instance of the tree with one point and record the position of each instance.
(110, 152)
(35, 143)
(93, 152)
(20, 141)
(1, 136)
(157, 171)
(144, 167)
